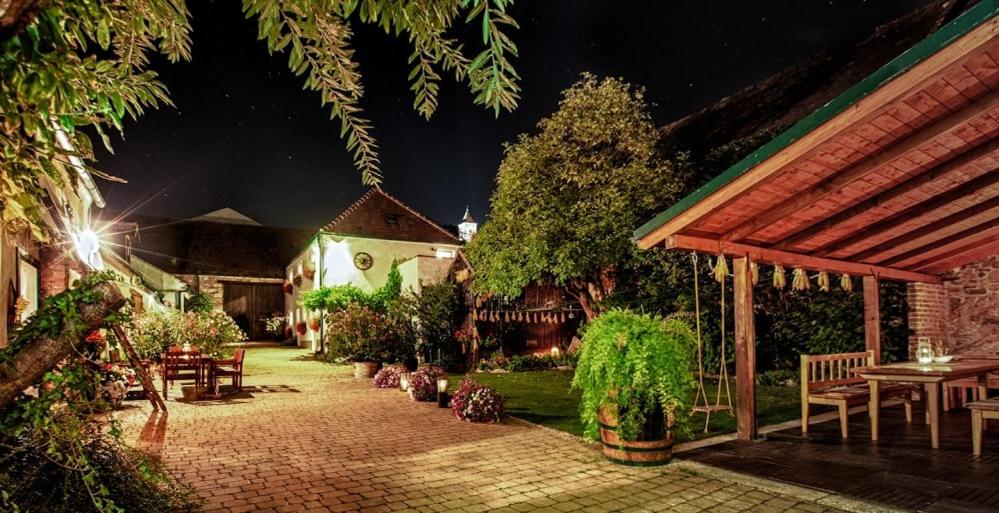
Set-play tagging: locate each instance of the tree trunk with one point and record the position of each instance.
(42, 354)
(590, 291)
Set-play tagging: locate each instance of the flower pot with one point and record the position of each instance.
(654, 446)
(365, 370)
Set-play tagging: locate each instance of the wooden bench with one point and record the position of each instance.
(829, 379)
(981, 410)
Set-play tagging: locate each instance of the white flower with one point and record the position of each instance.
(30, 392)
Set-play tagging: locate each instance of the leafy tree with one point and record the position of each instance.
(69, 67)
(199, 302)
(436, 313)
(568, 197)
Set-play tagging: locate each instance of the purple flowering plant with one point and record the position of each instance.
(474, 402)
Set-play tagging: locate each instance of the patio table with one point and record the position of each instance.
(931, 375)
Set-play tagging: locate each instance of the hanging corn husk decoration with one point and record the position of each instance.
(800, 280)
(754, 272)
(780, 280)
(845, 282)
(496, 316)
(563, 317)
(506, 316)
(824, 281)
(721, 269)
(475, 314)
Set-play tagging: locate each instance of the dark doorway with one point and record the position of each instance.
(249, 304)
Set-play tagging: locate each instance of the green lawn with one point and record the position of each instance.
(544, 397)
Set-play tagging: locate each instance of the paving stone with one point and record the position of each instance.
(333, 443)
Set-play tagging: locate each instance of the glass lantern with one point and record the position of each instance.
(924, 351)
(404, 381)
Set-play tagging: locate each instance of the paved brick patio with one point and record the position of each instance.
(312, 439)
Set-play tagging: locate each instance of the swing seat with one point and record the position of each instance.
(828, 379)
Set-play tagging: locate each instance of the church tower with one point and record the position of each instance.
(468, 227)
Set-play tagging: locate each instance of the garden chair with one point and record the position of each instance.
(180, 365)
(232, 368)
(980, 412)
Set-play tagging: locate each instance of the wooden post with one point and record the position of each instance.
(745, 349)
(872, 317)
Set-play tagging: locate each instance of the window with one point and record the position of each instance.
(27, 286)
(445, 253)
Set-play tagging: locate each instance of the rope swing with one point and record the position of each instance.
(720, 272)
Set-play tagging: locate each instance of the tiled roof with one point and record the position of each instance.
(212, 247)
(379, 215)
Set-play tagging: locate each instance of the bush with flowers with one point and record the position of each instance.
(114, 382)
(423, 383)
(361, 334)
(388, 376)
(213, 333)
(153, 331)
(474, 402)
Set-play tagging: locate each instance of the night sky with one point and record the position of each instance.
(244, 133)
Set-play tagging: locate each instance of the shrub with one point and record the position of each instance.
(521, 363)
(199, 302)
(359, 333)
(213, 333)
(34, 481)
(436, 314)
(634, 363)
(423, 382)
(153, 331)
(388, 377)
(473, 402)
(778, 378)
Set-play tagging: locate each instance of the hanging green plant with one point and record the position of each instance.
(780, 280)
(635, 364)
(800, 280)
(845, 282)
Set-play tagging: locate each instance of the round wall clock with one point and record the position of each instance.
(363, 261)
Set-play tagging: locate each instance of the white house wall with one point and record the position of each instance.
(338, 253)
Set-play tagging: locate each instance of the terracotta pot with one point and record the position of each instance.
(365, 370)
(654, 447)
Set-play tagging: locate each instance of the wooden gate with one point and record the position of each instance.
(250, 303)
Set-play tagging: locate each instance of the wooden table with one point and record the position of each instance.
(931, 376)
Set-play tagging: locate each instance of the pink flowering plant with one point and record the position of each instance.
(474, 402)
(213, 332)
(388, 377)
(423, 382)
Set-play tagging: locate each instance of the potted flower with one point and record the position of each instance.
(297, 280)
(315, 324)
(301, 328)
(634, 372)
(309, 273)
(288, 288)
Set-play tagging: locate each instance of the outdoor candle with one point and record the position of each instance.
(555, 351)
(442, 398)
(404, 381)
(924, 351)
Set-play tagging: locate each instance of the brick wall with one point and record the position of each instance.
(963, 312)
(54, 271)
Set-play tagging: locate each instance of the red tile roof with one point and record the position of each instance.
(379, 215)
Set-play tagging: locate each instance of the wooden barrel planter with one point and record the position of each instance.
(365, 369)
(654, 445)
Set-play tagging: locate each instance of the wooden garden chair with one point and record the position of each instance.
(980, 411)
(232, 368)
(180, 365)
(829, 379)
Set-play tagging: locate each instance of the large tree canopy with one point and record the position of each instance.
(70, 65)
(568, 197)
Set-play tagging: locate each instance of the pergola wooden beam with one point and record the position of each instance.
(923, 231)
(968, 253)
(837, 181)
(745, 348)
(789, 259)
(872, 316)
(961, 236)
(970, 157)
(892, 222)
(968, 245)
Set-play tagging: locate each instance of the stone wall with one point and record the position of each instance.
(963, 312)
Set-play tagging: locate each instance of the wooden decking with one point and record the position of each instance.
(900, 470)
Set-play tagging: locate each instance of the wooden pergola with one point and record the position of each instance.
(895, 179)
